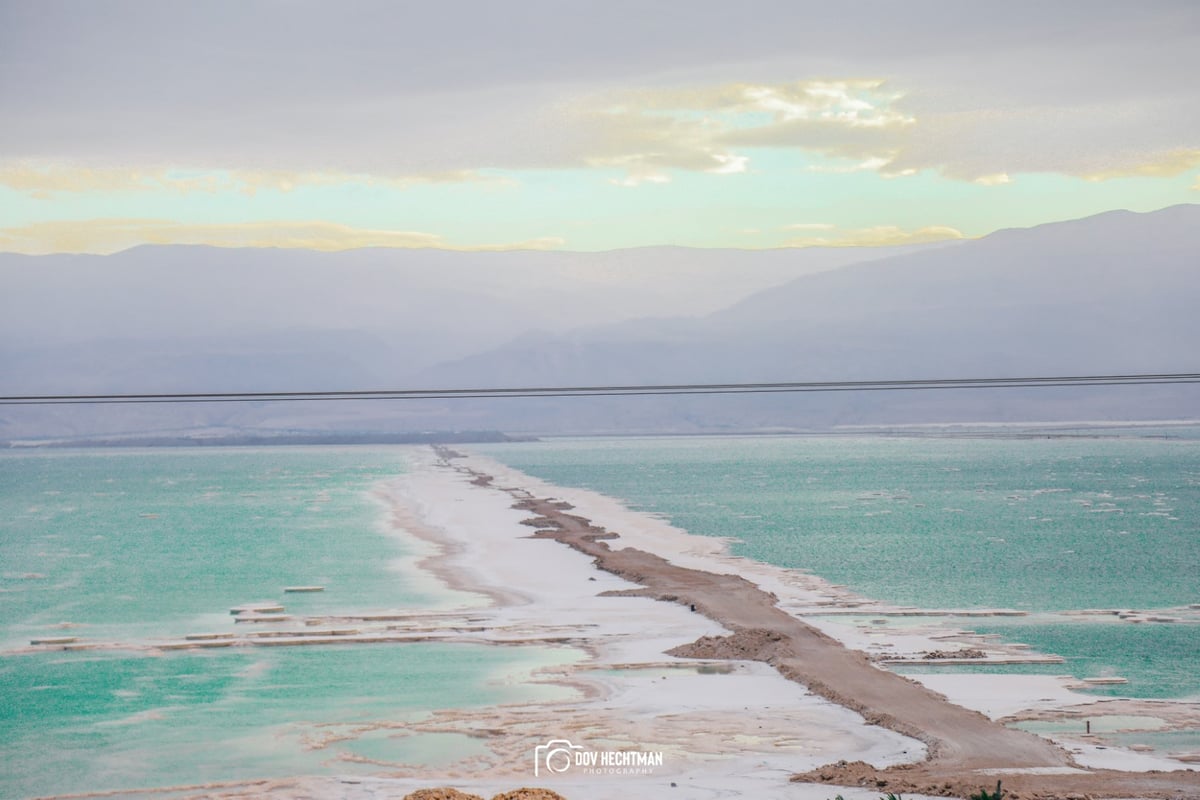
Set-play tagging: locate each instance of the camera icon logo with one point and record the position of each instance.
(555, 756)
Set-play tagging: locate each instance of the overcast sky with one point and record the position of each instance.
(586, 125)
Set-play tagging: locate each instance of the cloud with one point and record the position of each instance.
(1093, 142)
(1161, 165)
(872, 164)
(402, 90)
(895, 128)
(857, 124)
(878, 236)
(45, 180)
(646, 133)
(640, 176)
(995, 179)
(112, 235)
(702, 129)
(251, 181)
(855, 102)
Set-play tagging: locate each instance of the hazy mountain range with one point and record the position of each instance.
(1113, 293)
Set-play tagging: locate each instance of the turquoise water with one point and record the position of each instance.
(1159, 661)
(163, 542)
(1038, 524)
(84, 722)
(135, 546)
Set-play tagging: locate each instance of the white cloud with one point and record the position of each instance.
(703, 128)
(729, 164)
(995, 179)
(872, 164)
(638, 178)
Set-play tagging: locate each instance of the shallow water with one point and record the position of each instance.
(76, 721)
(136, 546)
(164, 542)
(1037, 524)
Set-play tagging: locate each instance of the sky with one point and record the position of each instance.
(560, 124)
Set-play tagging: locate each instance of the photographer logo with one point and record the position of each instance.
(557, 756)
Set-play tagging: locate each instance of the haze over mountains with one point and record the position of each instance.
(193, 318)
(1114, 293)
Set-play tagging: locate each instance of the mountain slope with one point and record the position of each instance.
(1115, 293)
(1112, 293)
(152, 317)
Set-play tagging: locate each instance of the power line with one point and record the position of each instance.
(1037, 382)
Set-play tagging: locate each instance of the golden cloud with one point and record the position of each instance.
(251, 181)
(43, 180)
(994, 179)
(104, 236)
(878, 236)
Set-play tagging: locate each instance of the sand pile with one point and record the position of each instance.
(440, 793)
(447, 793)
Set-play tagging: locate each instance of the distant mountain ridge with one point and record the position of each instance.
(197, 318)
(1113, 293)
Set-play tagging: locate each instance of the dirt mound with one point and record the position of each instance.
(440, 793)
(751, 644)
(966, 652)
(525, 793)
(899, 780)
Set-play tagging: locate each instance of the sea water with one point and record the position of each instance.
(135, 546)
(1041, 524)
(74, 722)
(143, 542)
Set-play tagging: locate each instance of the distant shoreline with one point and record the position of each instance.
(267, 440)
(1001, 430)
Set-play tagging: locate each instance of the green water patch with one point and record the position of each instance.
(1037, 524)
(1123, 730)
(1158, 659)
(1182, 741)
(1034, 524)
(131, 544)
(84, 722)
